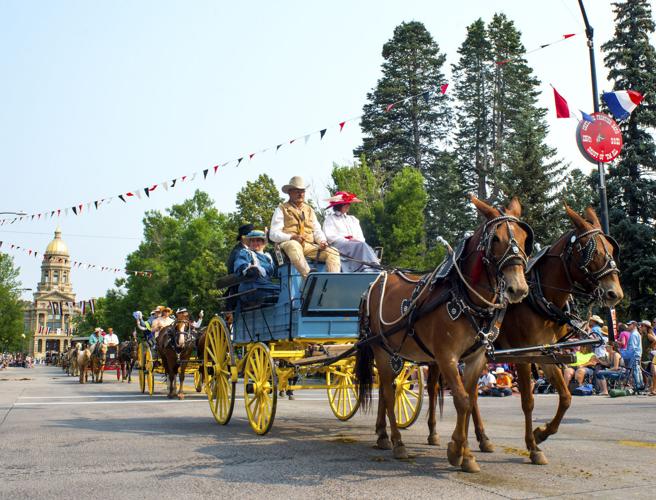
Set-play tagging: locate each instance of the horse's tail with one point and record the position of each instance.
(440, 393)
(364, 373)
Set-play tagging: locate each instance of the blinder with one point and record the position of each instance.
(530, 237)
(616, 247)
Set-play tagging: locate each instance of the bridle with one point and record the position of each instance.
(513, 252)
(586, 251)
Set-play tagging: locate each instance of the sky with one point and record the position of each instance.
(104, 97)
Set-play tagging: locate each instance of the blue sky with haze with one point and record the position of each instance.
(103, 97)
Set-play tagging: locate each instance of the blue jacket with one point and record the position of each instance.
(257, 265)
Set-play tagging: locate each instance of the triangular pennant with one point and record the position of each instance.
(173, 182)
(52, 214)
(443, 88)
(122, 198)
(183, 178)
(389, 108)
(146, 190)
(292, 141)
(215, 167)
(88, 206)
(341, 125)
(239, 161)
(205, 173)
(80, 207)
(568, 35)
(278, 147)
(74, 210)
(58, 212)
(137, 193)
(193, 177)
(96, 204)
(250, 156)
(322, 133)
(152, 188)
(307, 138)
(165, 186)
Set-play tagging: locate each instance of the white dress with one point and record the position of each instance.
(344, 233)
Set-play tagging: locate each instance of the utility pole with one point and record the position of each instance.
(603, 200)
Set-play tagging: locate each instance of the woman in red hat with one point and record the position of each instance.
(344, 233)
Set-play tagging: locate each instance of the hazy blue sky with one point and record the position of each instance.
(102, 97)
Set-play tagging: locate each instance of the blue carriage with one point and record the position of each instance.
(289, 334)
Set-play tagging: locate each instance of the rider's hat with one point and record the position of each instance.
(181, 310)
(256, 233)
(596, 319)
(295, 182)
(342, 198)
(167, 309)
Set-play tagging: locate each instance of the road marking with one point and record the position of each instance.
(637, 444)
(144, 401)
(84, 397)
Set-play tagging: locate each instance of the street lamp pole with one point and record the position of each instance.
(603, 199)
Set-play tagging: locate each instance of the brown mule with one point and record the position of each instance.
(175, 345)
(448, 314)
(582, 262)
(98, 358)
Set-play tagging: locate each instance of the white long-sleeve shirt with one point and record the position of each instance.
(277, 235)
(338, 226)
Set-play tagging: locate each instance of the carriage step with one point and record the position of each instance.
(545, 359)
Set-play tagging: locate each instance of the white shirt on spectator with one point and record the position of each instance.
(277, 235)
(486, 380)
(338, 226)
(110, 339)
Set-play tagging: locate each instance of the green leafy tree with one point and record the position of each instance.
(403, 220)
(257, 201)
(631, 61)
(579, 190)
(11, 326)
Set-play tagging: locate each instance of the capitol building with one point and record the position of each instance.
(49, 316)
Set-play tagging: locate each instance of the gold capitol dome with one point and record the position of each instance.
(57, 246)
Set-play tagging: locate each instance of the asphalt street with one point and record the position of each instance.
(60, 439)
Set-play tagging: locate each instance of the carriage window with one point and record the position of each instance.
(335, 293)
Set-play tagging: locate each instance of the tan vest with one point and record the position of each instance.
(298, 221)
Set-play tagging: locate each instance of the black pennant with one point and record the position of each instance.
(205, 173)
(122, 198)
(146, 190)
(239, 161)
(96, 204)
(173, 182)
(74, 210)
(322, 133)
(278, 147)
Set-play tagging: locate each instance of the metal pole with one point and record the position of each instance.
(603, 200)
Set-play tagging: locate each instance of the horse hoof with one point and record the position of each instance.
(540, 435)
(454, 456)
(180, 396)
(400, 453)
(486, 446)
(538, 458)
(434, 439)
(384, 444)
(469, 464)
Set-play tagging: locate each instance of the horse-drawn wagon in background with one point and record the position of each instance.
(307, 328)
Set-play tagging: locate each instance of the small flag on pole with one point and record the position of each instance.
(622, 102)
(585, 116)
(562, 108)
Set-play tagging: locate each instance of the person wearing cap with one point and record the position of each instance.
(241, 243)
(633, 353)
(256, 265)
(344, 233)
(295, 227)
(94, 338)
(595, 324)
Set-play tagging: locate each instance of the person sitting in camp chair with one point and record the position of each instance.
(257, 266)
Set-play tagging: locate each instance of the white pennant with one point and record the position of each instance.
(165, 185)
(137, 193)
(307, 138)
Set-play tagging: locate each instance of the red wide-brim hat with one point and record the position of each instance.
(342, 198)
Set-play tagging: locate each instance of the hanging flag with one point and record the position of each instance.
(341, 125)
(443, 88)
(389, 108)
(205, 173)
(585, 116)
(307, 138)
(216, 167)
(622, 102)
(239, 161)
(122, 198)
(173, 182)
(165, 185)
(147, 193)
(322, 133)
(137, 193)
(569, 35)
(250, 156)
(92, 305)
(74, 210)
(562, 109)
(278, 147)
(96, 204)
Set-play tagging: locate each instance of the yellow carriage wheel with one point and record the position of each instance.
(198, 380)
(342, 391)
(149, 371)
(219, 374)
(408, 395)
(140, 366)
(260, 388)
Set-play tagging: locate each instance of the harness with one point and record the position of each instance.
(486, 320)
(190, 333)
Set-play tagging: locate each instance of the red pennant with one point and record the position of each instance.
(389, 107)
(152, 188)
(216, 167)
(292, 141)
(341, 125)
(129, 194)
(183, 178)
(80, 207)
(569, 35)
(562, 109)
(250, 156)
(443, 88)
(499, 63)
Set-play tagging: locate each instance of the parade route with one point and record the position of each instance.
(60, 438)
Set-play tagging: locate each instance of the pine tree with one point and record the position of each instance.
(631, 60)
(410, 133)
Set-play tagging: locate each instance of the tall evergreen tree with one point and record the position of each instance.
(410, 133)
(631, 60)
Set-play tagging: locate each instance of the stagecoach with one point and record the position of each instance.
(284, 341)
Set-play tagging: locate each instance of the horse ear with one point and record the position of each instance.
(488, 211)
(576, 219)
(591, 217)
(514, 207)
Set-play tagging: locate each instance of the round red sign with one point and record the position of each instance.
(599, 140)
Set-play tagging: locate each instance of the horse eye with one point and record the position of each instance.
(495, 239)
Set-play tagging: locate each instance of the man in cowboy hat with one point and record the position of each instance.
(343, 232)
(295, 227)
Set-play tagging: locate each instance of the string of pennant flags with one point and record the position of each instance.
(145, 192)
(74, 263)
(84, 306)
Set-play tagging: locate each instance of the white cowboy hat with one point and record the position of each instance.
(596, 319)
(499, 369)
(295, 182)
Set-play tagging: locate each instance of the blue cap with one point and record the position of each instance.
(256, 234)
